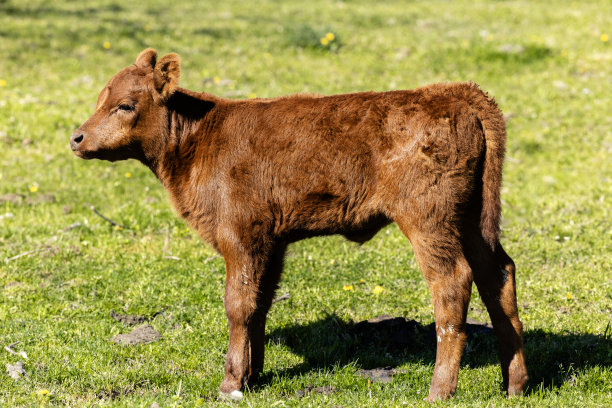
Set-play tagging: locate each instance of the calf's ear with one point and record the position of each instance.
(166, 76)
(147, 58)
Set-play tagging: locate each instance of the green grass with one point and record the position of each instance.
(546, 63)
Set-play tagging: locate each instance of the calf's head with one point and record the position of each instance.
(131, 111)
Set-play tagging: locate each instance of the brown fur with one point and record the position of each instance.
(253, 176)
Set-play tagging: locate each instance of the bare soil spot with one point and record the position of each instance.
(11, 198)
(41, 199)
(140, 335)
(132, 320)
(380, 375)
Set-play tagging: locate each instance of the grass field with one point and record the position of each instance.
(63, 268)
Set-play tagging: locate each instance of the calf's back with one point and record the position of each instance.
(305, 165)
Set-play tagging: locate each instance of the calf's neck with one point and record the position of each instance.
(252, 176)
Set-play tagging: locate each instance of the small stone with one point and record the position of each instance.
(16, 372)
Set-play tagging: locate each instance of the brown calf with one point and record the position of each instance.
(253, 176)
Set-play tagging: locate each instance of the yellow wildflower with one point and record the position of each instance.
(106, 45)
(216, 80)
(377, 290)
(569, 296)
(361, 280)
(604, 38)
(128, 175)
(324, 41)
(2, 82)
(252, 95)
(43, 392)
(33, 188)
(330, 36)
(348, 287)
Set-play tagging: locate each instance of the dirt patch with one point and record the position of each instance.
(311, 389)
(132, 320)
(140, 335)
(41, 199)
(380, 375)
(13, 284)
(12, 198)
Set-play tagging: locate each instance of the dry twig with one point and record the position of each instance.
(9, 348)
(26, 253)
(166, 242)
(92, 208)
(281, 297)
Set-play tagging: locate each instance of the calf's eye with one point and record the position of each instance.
(126, 107)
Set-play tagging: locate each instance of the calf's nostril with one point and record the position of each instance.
(75, 140)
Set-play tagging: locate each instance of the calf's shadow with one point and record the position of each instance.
(552, 359)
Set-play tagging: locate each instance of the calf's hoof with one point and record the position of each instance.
(518, 379)
(439, 393)
(230, 390)
(433, 397)
(516, 388)
(232, 396)
(443, 385)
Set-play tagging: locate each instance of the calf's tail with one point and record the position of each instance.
(494, 128)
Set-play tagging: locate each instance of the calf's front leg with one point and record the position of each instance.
(251, 279)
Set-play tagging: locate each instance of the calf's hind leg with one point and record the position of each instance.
(449, 277)
(494, 274)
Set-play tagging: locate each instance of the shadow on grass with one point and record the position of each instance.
(33, 11)
(490, 57)
(553, 359)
